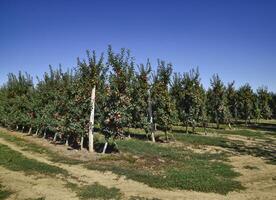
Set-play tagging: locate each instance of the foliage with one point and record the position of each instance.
(164, 111)
(217, 102)
(263, 102)
(190, 98)
(60, 102)
(245, 98)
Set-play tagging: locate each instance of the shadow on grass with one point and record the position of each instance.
(263, 127)
(263, 150)
(269, 154)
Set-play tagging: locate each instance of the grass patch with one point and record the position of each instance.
(253, 131)
(32, 147)
(245, 133)
(15, 161)
(96, 191)
(4, 193)
(207, 140)
(235, 145)
(170, 168)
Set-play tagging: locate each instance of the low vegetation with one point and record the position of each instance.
(96, 191)
(170, 168)
(15, 161)
(4, 193)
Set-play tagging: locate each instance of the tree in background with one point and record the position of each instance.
(232, 100)
(272, 104)
(18, 108)
(217, 103)
(141, 98)
(256, 111)
(164, 113)
(190, 98)
(263, 100)
(245, 99)
(176, 92)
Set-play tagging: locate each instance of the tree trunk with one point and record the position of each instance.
(105, 147)
(152, 137)
(44, 135)
(151, 118)
(229, 126)
(166, 135)
(128, 132)
(30, 131)
(81, 143)
(67, 141)
(91, 121)
(55, 137)
(36, 133)
(186, 128)
(217, 124)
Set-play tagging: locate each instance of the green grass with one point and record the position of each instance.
(96, 191)
(245, 132)
(206, 140)
(32, 147)
(237, 130)
(170, 168)
(4, 193)
(260, 150)
(15, 161)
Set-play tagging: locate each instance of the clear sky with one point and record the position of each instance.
(234, 38)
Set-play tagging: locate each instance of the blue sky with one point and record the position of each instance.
(234, 38)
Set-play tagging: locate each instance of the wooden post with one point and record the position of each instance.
(91, 121)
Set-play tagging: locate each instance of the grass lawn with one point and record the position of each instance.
(32, 147)
(15, 161)
(170, 167)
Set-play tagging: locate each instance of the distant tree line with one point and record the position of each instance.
(117, 94)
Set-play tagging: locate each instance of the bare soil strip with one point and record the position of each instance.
(260, 183)
(30, 186)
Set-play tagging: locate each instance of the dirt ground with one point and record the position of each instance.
(260, 183)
